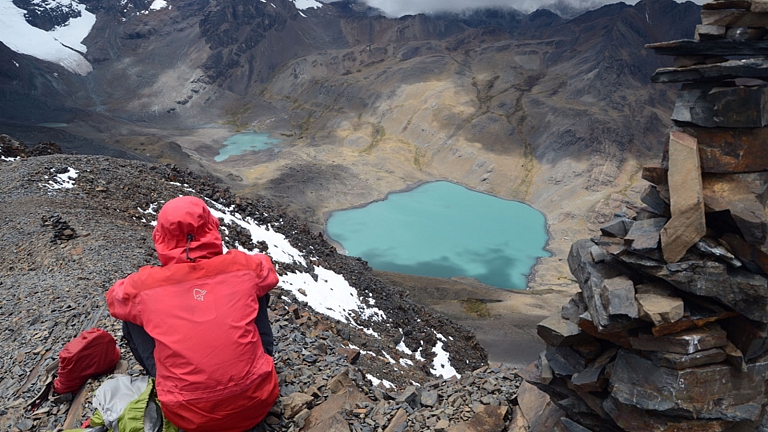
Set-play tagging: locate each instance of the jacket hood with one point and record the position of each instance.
(186, 228)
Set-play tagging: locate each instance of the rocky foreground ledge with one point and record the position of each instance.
(64, 240)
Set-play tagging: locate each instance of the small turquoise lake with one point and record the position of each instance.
(243, 142)
(441, 229)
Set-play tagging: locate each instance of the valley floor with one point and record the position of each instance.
(503, 321)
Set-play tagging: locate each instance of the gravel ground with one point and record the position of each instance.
(61, 249)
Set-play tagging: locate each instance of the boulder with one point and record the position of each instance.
(572, 426)
(712, 248)
(592, 379)
(707, 392)
(399, 422)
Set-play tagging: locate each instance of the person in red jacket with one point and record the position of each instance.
(194, 320)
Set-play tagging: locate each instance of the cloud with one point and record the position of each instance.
(397, 8)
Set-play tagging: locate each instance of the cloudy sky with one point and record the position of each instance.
(394, 8)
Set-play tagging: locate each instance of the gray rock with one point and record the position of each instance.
(557, 331)
(645, 234)
(726, 107)
(743, 291)
(618, 296)
(590, 276)
(295, 403)
(639, 382)
(429, 398)
(618, 227)
(564, 361)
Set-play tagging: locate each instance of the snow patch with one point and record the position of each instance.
(62, 181)
(62, 45)
(330, 295)
(306, 4)
(441, 365)
(375, 381)
(279, 248)
(401, 346)
(158, 4)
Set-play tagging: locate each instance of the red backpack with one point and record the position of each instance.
(92, 352)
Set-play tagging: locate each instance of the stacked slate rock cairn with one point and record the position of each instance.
(669, 331)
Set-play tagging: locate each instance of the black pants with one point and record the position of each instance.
(142, 345)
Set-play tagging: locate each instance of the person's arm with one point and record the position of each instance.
(121, 303)
(266, 276)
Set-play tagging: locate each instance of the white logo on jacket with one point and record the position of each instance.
(198, 293)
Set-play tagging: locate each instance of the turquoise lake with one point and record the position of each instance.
(441, 229)
(243, 142)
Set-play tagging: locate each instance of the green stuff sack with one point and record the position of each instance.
(129, 404)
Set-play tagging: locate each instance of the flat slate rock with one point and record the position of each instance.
(645, 234)
(727, 107)
(688, 223)
(639, 382)
(743, 291)
(684, 342)
(557, 331)
(633, 419)
(685, 361)
(731, 69)
(723, 47)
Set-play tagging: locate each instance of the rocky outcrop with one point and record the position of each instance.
(669, 331)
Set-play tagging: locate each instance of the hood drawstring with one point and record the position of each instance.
(190, 237)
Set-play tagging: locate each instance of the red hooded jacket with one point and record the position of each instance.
(212, 372)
